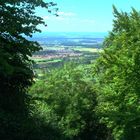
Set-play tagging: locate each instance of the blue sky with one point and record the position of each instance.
(85, 15)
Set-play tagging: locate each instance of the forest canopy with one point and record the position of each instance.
(117, 73)
(97, 101)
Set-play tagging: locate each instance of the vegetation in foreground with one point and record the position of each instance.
(96, 102)
(65, 98)
(117, 73)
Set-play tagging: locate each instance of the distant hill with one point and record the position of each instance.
(69, 39)
(72, 34)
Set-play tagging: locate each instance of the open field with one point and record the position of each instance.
(82, 49)
(53, 57)
(62, 49)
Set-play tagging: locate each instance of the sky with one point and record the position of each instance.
(84, 15)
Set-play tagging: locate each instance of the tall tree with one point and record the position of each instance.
(17, 20)
(118, 77)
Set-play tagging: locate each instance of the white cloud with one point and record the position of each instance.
(66, 14)
(68, 18)
(46, 17)
(53, 18)
(62, 16)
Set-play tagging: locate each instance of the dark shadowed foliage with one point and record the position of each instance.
(17, 20)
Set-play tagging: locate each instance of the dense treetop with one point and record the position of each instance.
(17, 20)
(118, 77)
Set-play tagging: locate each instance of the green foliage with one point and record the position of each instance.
(67, 104)
(67, 101)
(118, 77)
(17, 20)
(33, 126)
